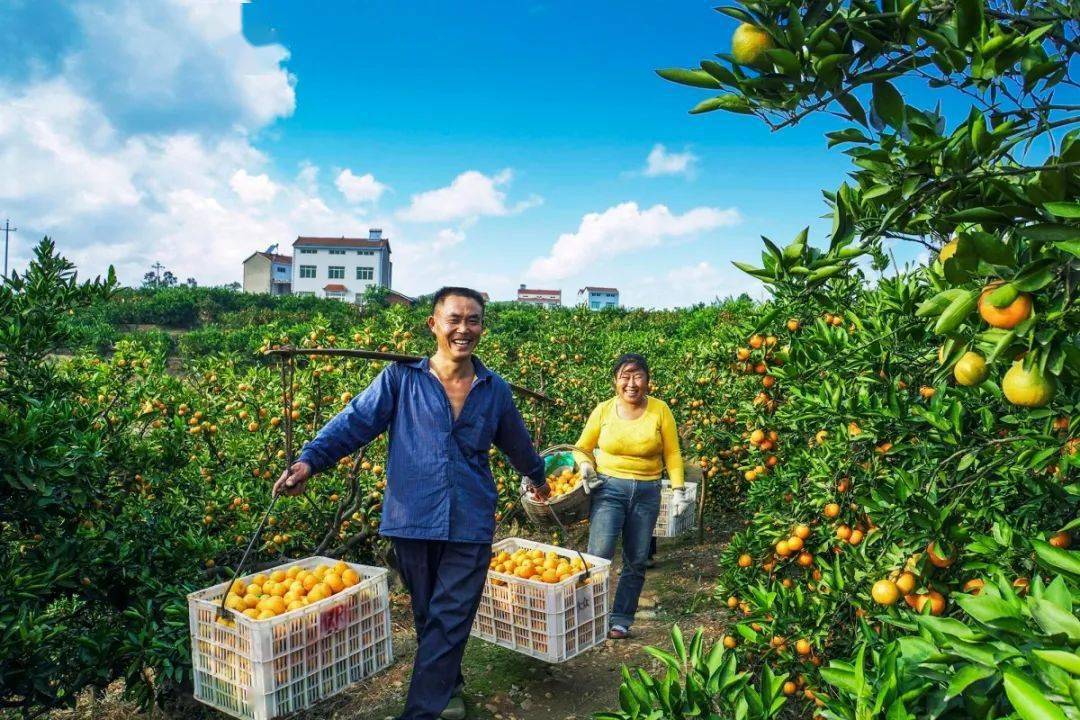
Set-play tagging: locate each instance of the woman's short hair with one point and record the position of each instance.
(632, 359)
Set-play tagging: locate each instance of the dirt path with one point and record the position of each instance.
(504, 685)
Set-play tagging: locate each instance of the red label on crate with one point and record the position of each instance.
(333, 619)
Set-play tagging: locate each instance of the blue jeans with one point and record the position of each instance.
(627, 509)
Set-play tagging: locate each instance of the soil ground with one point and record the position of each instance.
(504, 685)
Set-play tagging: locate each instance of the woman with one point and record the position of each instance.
(635, 439)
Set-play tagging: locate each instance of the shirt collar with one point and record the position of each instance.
(482, 373)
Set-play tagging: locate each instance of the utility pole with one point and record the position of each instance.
(157, 268)
(7, 232)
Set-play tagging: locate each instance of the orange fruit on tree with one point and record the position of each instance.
(1027, 387)
(748, 45)
(906, 583)
(802, 532)
(1060, 540)
(745, 561)
(1006, 317)
(832, 510)
(937, 560)
(730, 642)
(934, 598)
(802, 646)
(793, 325)
(885, 592)
(974, 586)
(782, 548)
(806, 559)
(843, 532)
(789, 688)
(856, 537)
(970, 369)
(756, 341)
(795, 543)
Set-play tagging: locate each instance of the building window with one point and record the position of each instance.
(307, 271)
(336, 272)
(365, 252)
(595, 305)
(337, 252)
(307, 251)
(335, 295)
(365, 273)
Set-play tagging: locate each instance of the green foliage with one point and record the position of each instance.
(696, 682)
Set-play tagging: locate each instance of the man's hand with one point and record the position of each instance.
(680, 500)
(294, 480)
(541, 493)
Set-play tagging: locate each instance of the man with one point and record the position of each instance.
(443, 414)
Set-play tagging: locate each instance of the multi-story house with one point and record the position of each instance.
(547, 298)
(268, 272)
(341, 268)
(598, 298)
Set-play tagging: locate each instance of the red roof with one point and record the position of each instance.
(274, 257)
(341, 242)
(335, 287)
(528, 291)
(600, 289)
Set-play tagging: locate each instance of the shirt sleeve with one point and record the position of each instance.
(512, 437)
(672, 456)
(590, 434)
(362, 420)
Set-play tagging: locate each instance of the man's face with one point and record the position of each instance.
(458, 324)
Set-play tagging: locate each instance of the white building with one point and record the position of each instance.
(268, 272)
(546, 298)
(598, 298)
(340, 268)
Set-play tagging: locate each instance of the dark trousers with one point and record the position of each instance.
(446, 581)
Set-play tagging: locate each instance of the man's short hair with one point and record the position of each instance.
(445, 292)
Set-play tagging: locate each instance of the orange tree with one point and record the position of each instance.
(923, 428)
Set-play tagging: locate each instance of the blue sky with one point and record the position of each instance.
(496, 143)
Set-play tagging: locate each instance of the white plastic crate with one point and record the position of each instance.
(668, 524)
(262, 669)
(549, 621)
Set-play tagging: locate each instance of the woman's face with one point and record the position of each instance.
(631, 384)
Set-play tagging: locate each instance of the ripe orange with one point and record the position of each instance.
(745, 561)
(1027, 387)
(333, 580)
(1007, 317)
(856, 537)
(802, 532)
(906, 583)
(974, 586)
(885, 592)
(1021, 584)
(937, 560)
(733, 602)
(730, 643)
(936, 600)
(806, 559)
(1060, 540)
(802, 646)
(793, 325)
(742, 353)
(782, 548)
(350, 577)
(756, 341)
(843, 532)
(790, 688)
(832, 510)
(748, 46)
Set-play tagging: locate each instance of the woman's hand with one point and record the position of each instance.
(293, 480)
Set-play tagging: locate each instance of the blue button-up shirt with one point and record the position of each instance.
(439, 484)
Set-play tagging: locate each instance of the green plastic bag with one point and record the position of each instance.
(557, 461)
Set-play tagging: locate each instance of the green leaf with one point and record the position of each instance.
(854, 108)
(1028, 699)
(1054, 621)
(937, 304)
(1069, 246)
(718, 71)
(969, 20)
(1003, 295)
(1070, 662)
(985, 608)
(1067, 561)
(1051, 232)
(1035, 276)
(888, 104)
(956, 312)
(1063, 209)
(966, 676)
(730, 102)
(684, 76)
(785, 59)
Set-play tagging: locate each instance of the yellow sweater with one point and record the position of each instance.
(634, 449)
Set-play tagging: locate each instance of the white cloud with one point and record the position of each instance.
(307, 178)
(622, 229)
(359, 188)
(448, 238)
(253, 189)
(661, 162)
(700, 282)
(182, 64)
(470, 195)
